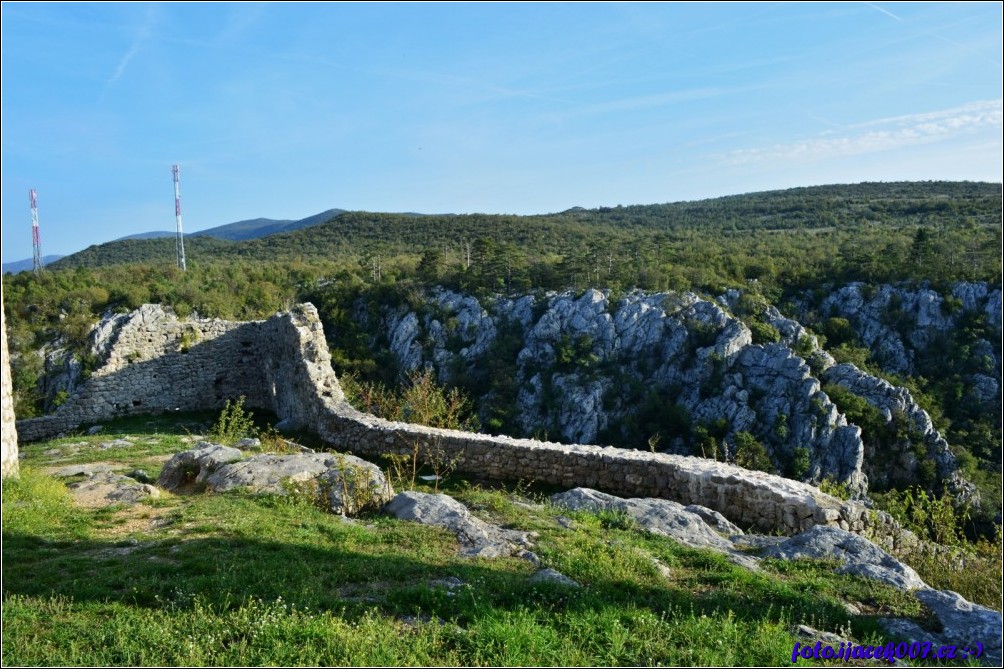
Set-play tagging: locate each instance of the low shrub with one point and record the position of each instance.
(234, 424)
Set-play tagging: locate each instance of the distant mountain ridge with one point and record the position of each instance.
(156, 234)
(234, 232)
(249, 229)
(27, 264)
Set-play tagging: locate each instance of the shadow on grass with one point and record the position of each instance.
(225, 573)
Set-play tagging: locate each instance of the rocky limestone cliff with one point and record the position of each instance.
(462, 323)
(588, 365)
(902, 325)
(898, 407)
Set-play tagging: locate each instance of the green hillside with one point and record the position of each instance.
(863, 231)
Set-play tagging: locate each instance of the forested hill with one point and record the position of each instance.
(829, 214)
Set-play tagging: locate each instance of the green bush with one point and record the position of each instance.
(422, 401)
(25, 371)
(971, 569)
(951, 305)
(705, 444)
(572, 354)
(857, 409)
(233, 424)
(751, 454)
(701, 334)
(712, 385)
(803, 347)
(831, 487)
(425, 402)
(839, 331)
(800, 463)
(929, 517)
(856, 355)
(60, 398)
(708, 437)
(781, 427)
(764, 333)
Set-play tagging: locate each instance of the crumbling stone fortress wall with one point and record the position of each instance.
(9, 431)
(157, 363)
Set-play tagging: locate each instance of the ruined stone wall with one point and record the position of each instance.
(9, 431)
(748, 498)
(283, 364)
(157, 363)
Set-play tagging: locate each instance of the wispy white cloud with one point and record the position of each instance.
(241, 19)
(938, 33)
(140, 38)
(884, 11)
(880, 135)
(660, 99)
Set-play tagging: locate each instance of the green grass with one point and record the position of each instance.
(240, 580)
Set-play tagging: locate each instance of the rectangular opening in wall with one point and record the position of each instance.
(137, 403)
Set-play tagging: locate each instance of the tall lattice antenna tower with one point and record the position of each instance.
(177, 215)
(36, 241)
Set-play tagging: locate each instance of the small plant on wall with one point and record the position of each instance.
(189, 338)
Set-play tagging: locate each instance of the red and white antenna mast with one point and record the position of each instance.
(177, 215)
(36, 242)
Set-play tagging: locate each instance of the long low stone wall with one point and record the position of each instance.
(158, 363)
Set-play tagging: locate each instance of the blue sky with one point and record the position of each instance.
(285, 110)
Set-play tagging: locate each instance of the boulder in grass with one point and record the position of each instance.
(658, 516)
(716, 520)
(190, 469)
(340, 483)
(859, 556)
(962, 624)
(107, 488)
(553, 576)
(477, 538)
(86, 469)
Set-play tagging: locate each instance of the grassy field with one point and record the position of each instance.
(238, 580)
